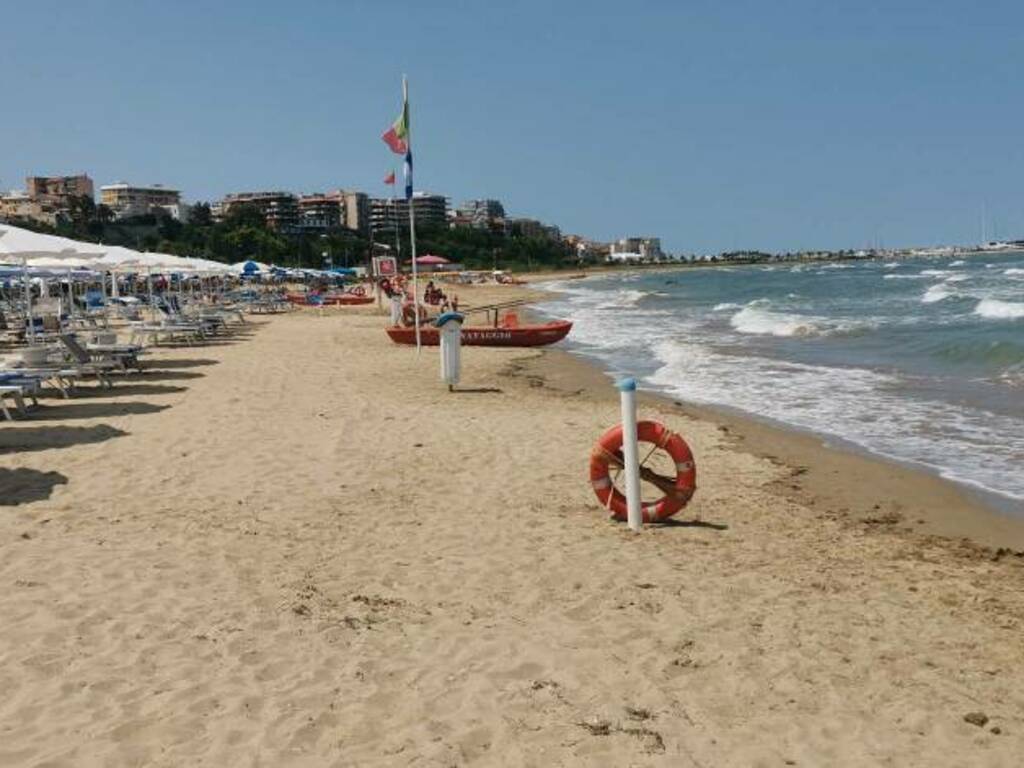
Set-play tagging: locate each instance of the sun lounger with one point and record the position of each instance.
(16, 394)
(207, 325)
(18, 387)
(104, 355)
(154, 332)
(87, 365)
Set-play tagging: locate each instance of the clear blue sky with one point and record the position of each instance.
(716, 125)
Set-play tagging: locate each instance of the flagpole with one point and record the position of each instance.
(394, 222)
(412, 215)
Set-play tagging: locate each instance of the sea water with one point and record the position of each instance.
(920, 360)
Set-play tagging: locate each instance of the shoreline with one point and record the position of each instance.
(843, 479)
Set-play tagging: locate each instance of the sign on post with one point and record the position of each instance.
(385, 266)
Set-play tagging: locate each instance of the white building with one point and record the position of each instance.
(626, 257)
(128, 200)
(649, 248)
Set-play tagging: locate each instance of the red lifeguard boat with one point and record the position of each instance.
(347, 299)
(508, 334)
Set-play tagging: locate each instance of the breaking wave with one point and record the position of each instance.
(994, 309)
(936, 293)
(767, 323)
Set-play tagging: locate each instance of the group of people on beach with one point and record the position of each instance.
(433, 295)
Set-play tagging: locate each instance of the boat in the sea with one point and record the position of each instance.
(502, 335)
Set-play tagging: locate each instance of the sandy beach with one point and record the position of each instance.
(295, 547)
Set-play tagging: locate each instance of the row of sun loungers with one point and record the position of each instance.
(84, 348)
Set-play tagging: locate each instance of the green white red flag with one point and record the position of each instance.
(397, 136)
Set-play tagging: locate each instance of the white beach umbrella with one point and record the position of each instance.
(52, 262)
(117, 255)
(23, 244)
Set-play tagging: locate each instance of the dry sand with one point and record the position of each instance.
(297, 548)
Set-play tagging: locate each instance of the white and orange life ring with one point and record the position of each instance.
(607, 453)
(358, 291)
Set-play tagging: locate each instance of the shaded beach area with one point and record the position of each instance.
(296, 547)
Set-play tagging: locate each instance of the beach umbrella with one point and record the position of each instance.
(430, 259)
(24, 244)
(250, 267)
(117, 257)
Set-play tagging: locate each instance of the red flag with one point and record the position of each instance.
(390, 178)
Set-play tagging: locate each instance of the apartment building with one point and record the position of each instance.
(480, 214)
(646, 248)
(387, 213)
(128, 200)
(18, 206)
(57, 191)
(533, 228)
(280, 210)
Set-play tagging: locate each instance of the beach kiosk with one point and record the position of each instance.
(449, 326)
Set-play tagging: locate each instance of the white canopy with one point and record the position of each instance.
(58, 264)
(24, 243)
(206, 267)
(117, 255)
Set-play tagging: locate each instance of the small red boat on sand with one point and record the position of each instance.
(329, 299)
(511, 335)
(348, 299)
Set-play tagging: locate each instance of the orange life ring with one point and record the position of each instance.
(358, 291)
(607, 452)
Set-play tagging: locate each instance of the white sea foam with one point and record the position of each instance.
(724, 306)
(957, 278)
(957, 263)
(766, 323)
(891, 265)
(622, 299)
(936, 272)
(994, 309)
(1014, 272)
(859, 405)
(936, 293)
(905, 277)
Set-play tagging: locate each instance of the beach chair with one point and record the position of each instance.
(125, 356)
(13, 392)
(18, 387)
(86, 365)
(175, 317)
(8, 333)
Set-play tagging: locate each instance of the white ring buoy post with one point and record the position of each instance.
(450, 330)
(631, 462)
